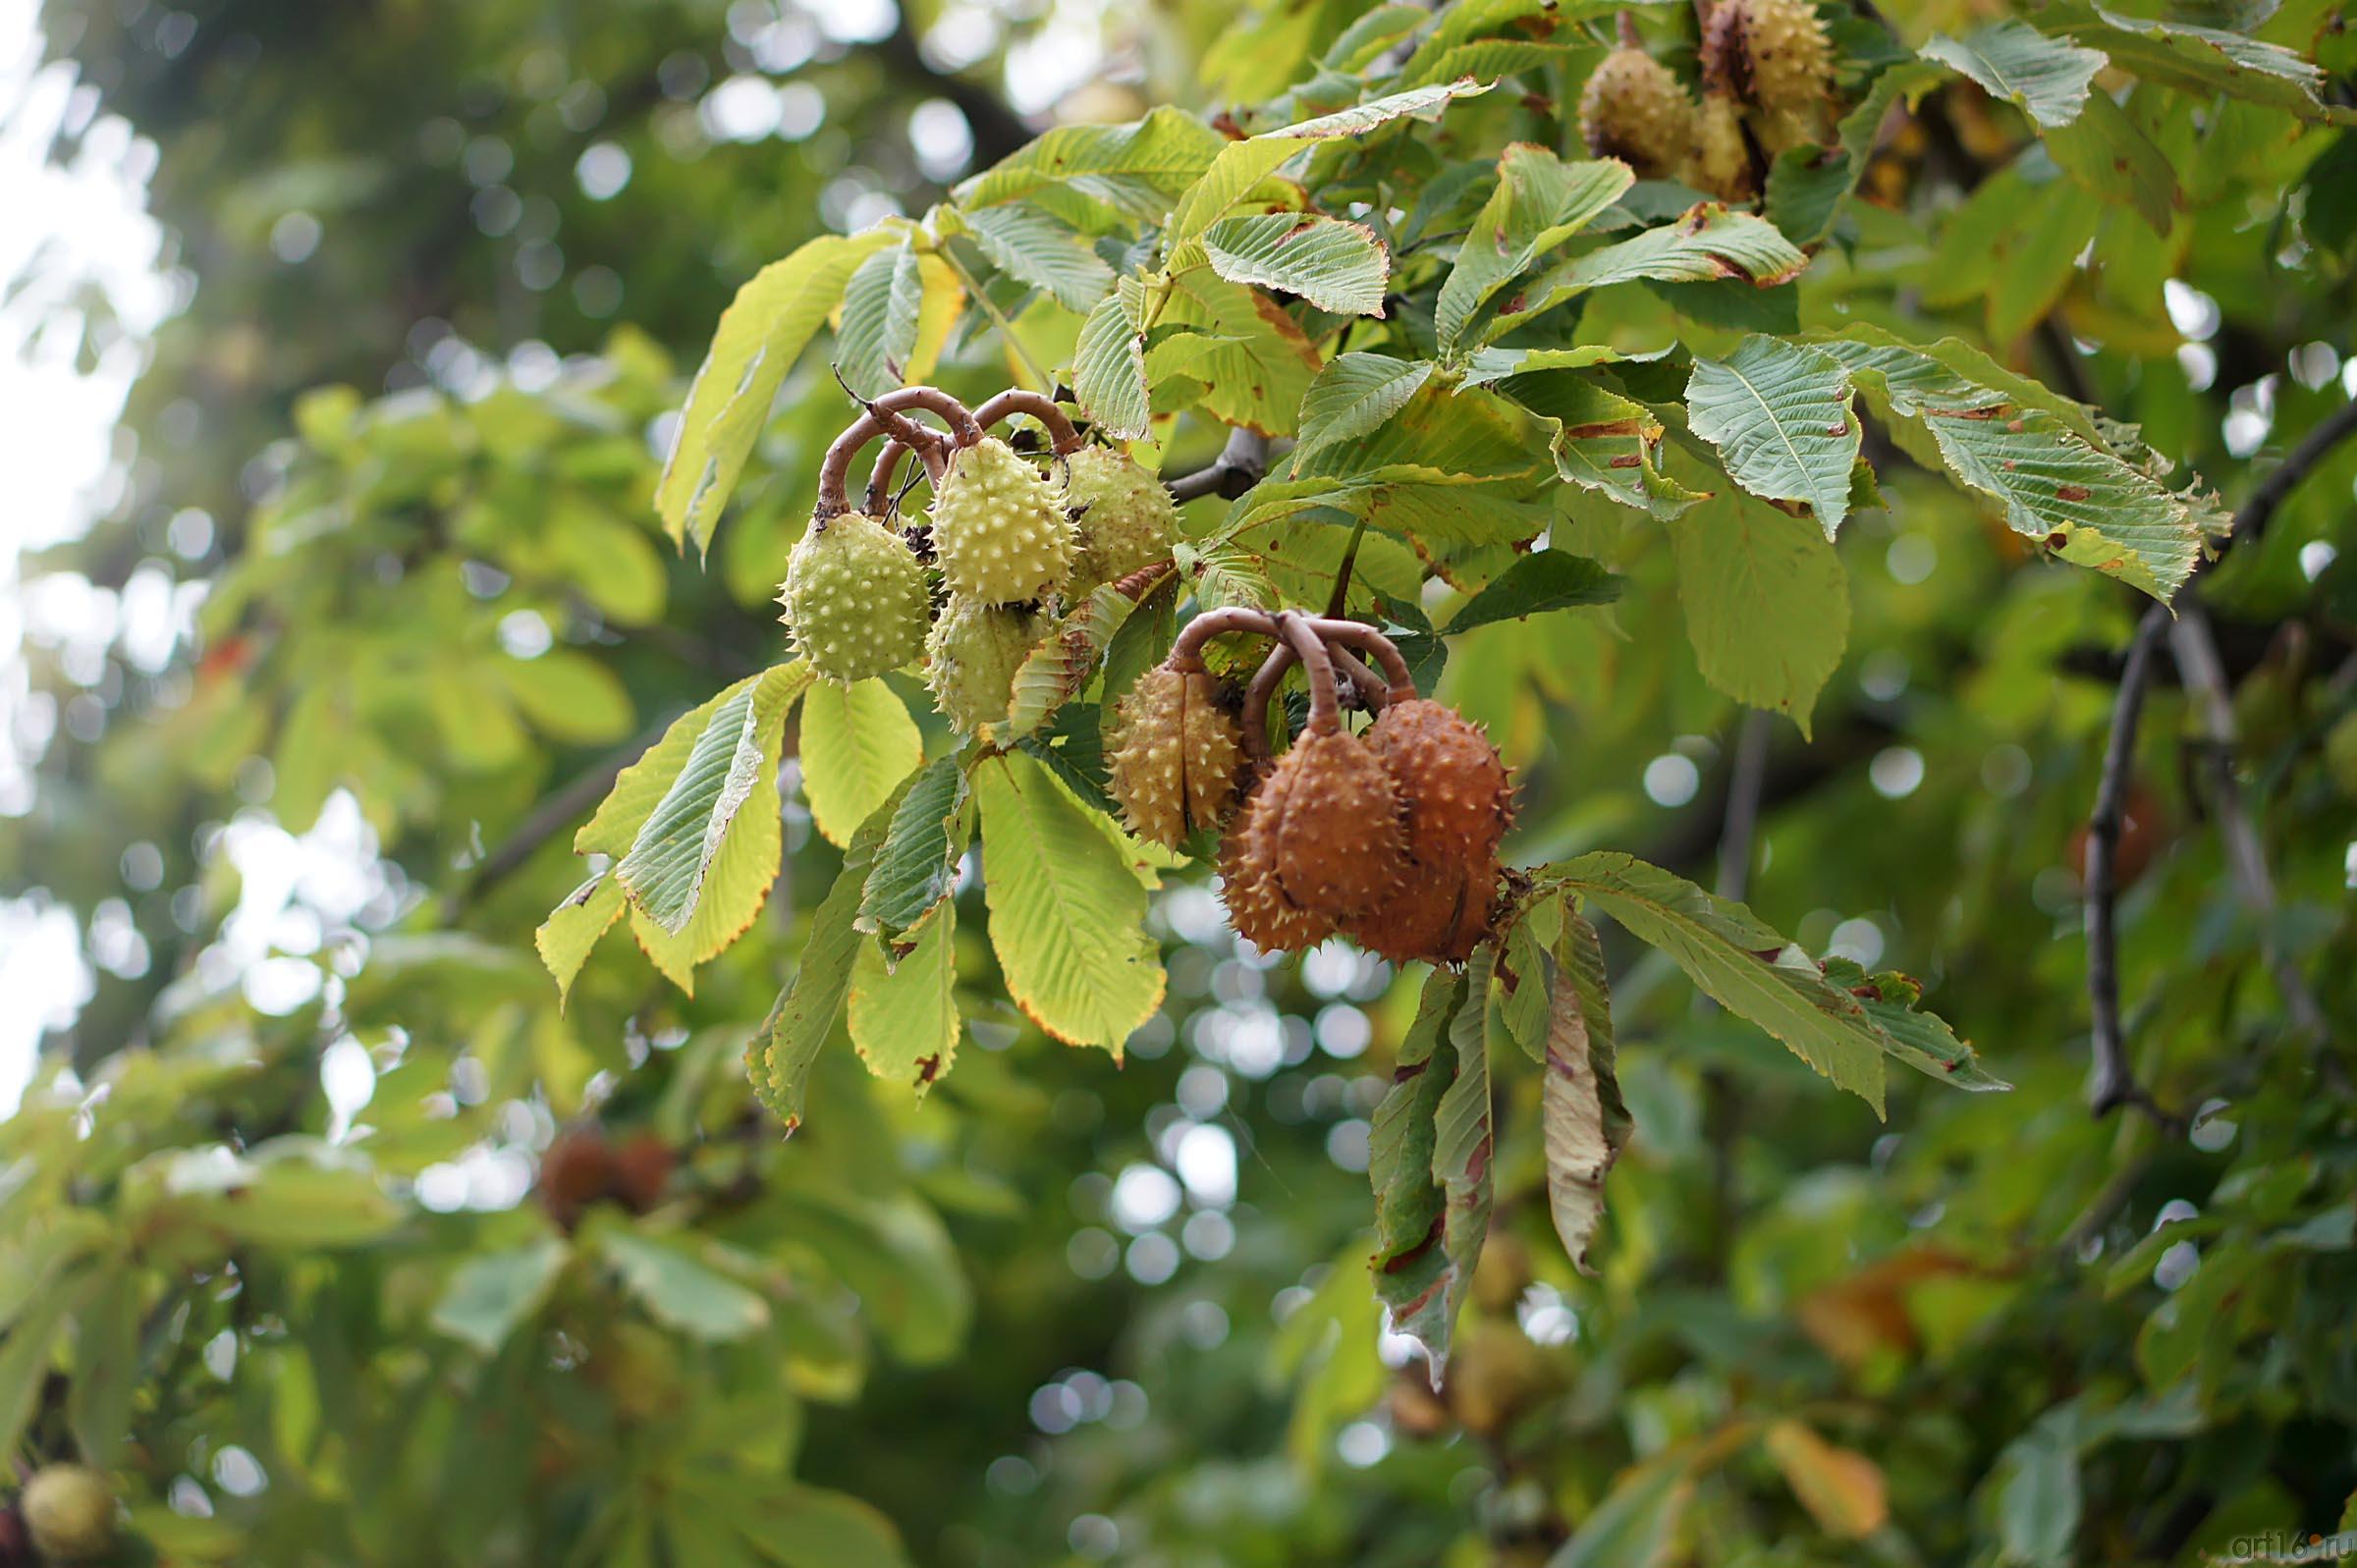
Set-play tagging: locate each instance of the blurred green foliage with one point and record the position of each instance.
(332, 1237)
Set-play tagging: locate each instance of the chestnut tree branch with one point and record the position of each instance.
(1242, 464)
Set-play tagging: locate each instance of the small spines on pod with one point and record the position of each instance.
(1775, 56)
(854, 598)
(1439, 914)
(1176, 753)
(1454, 794)
(1338, 842)
(1123, 517)
(1258, 906)
(973, 655)
(999, 526)
(1456, 803)
(1635, 110)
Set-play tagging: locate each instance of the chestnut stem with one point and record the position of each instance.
(1325, 706)
(1187, 654)
(1375, 692)
(1040, 406)
(836, 466)
(885, 476)
(1256, 702)
(1358, 634)
(964, 428)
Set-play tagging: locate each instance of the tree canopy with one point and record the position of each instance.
(1879, 480)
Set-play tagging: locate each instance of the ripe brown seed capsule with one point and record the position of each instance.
(577, 1172)
(1456, 803)
(1340, 844)
(642, 1171)
(1257, 906)
(1174, 756)
(1453, 791)
(1439, 914)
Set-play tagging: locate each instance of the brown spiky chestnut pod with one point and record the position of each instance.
(1257, 904)
(1338, 842)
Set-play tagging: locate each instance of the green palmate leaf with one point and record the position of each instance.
(1126, 169)
(736, 882)
(678, 1289)
(1536, 583)
(1412, 1266)
(1739, 962)
(1709, 243)
(877, 331)
(1450, 465)
(107, 1367)
(903, 1010)
(1585, 1121)
(778, 1058)
(808, 1527)
(858, 743)
(917, 864)
(568, 697)
(1488, 59)
(1109, 364)
(671, 857)
(27, 1349)
(1602, 442)
(2046, 78)
(1039, 248)
(1767, 603)
(1253, 358)
(492, 1294)
(1805, 188)
(1780, 414)
(1463, 1141)
(1540, 203)
(1636, 1526)
(2038, 457)
(1241, 164)
(1355, 394)
(1368, 37)
(760, 335)
(1489, 366)
(1066, 910)
(1921, 1039)
(575, 925)
(2108, 153)
(1333, 264)
(2200, 60)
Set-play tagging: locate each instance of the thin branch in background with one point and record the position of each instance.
(1747, 779)
(2198, 665)
(2205, 681)
(2115, 1082)
(555, 813)
(1242, 464)
(1340, 598)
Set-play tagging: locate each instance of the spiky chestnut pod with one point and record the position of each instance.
(1124, 518)
(1722, 162)
(1772, 53)
(999, 527)
(973, 653)
(1454, 795)
(1175, 755)
(1634, 110)
(1439, 913)
(68, 1512)
(1339, 843)
(1257, 906)
(854, 598)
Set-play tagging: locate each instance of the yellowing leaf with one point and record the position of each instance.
(858, 743)
(1066, 912)
(1843, 1489)
(904, 1013)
